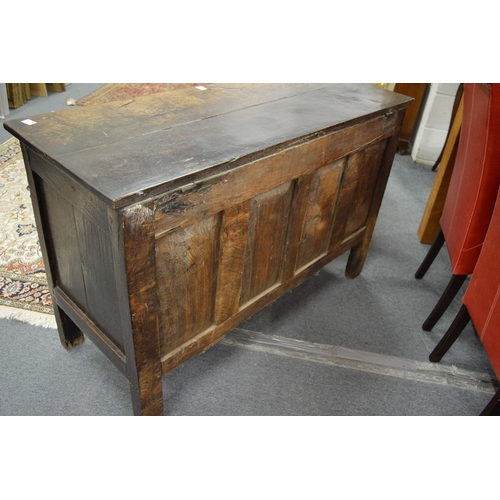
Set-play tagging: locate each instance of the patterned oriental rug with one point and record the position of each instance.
(24, 292)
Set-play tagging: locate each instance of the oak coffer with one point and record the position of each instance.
(167, 220)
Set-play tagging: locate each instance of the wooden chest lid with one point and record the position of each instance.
(129, 150)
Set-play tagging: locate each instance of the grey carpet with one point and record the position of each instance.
(378, 313)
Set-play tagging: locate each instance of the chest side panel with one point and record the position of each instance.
(77, 231)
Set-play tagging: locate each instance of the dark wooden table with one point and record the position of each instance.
(167, 220)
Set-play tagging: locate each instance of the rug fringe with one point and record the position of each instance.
(31, 317)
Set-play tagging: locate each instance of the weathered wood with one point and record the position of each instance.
(81, 320)
(70, 334)
(67, 188)
(359, 252)
(96, 261)
(143, 349)
(233, 242)
(186, 268)
(165, 225)
(84, 252)
(269, 214)
(347, 200)
(298, 211)
(207, 197)
(62, 240)
(263, 241)
(321, 207)
(123, 166)
(211, 335)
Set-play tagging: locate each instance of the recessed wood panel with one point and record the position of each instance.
(61, 234)
(358, 185)
(96, 259)
(319, 213)
(186, 263)
(233, 243)
(365, 176)
(264, 254)
(84, 269)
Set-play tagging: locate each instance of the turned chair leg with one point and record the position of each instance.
(493, 407)
(431, 255)
(456, 281)
(456, 328)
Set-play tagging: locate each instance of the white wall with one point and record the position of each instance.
(4, 103)
(434, 123)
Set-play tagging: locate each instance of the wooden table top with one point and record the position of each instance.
(126, 151)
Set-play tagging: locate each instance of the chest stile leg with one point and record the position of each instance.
(142, 343)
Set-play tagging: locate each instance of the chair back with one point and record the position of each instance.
(482, 297)
(475, 179)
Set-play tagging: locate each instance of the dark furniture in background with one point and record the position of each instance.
(417, 92)
(167, 220)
